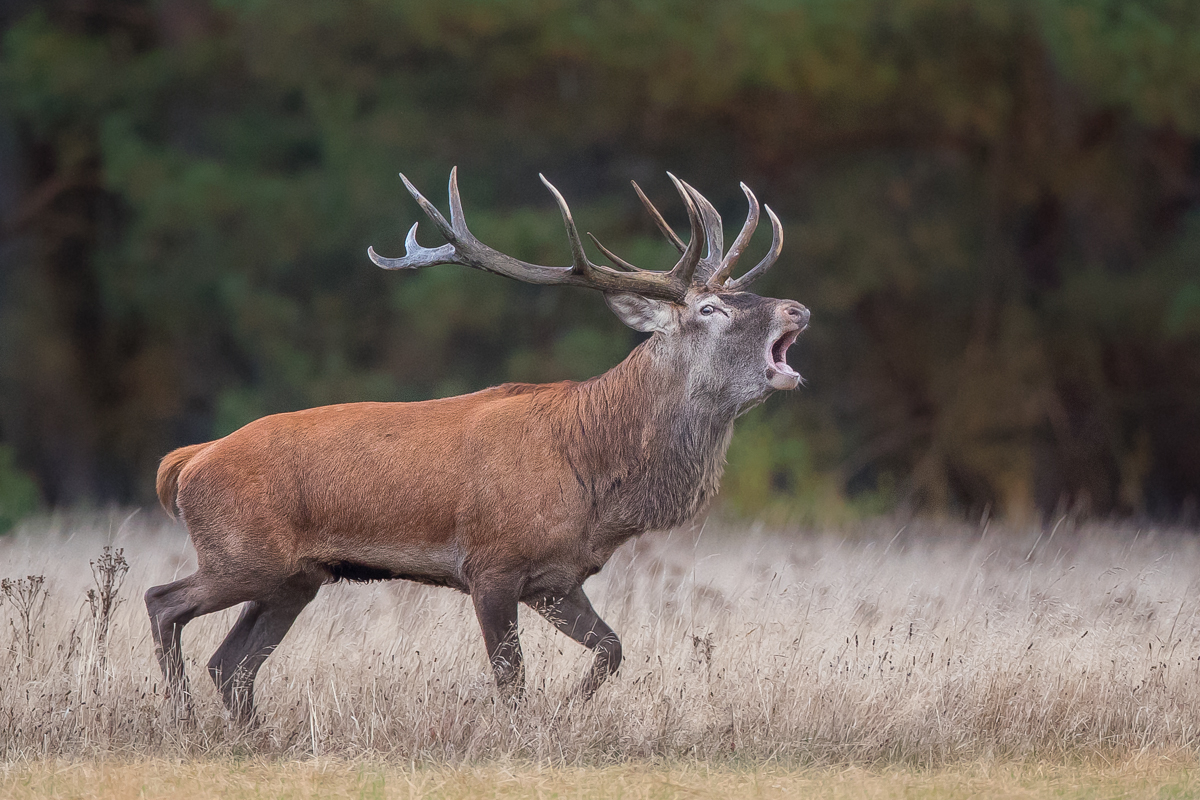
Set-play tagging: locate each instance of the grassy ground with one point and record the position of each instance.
(229, 780)
(919, 660)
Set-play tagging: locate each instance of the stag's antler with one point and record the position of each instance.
(714, 269)
(711, 271)
(463, 248)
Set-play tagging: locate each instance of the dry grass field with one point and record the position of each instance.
(925, 658)
(331, 779)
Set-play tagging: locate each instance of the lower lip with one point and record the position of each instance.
(782, 380)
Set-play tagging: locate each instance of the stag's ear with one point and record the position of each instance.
(643, 314)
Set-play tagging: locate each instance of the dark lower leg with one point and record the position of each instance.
(496, 609)
(258, 631)
(573, 615)
(224, 666)
(172, 606)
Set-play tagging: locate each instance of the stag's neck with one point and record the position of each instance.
(655, 438)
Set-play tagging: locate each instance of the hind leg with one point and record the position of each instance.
(261, 627)
(173, 605)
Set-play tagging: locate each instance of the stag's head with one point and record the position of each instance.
(731, 343)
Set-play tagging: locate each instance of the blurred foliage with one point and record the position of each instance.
(991, 208)
(19, 495)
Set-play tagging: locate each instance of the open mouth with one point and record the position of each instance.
(780, 374)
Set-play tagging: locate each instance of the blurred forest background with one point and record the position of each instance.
(992, 208)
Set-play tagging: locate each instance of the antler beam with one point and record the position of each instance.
(464, 249)
(712, 271)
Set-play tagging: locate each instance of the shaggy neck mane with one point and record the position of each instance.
(645, 442)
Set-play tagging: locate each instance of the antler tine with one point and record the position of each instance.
(579, 260)
(658, 218)
(457, 221)
(685, 268)
(768, 259)
(430, 209)
(714, 234)
(415, 256)
(613, 257)
(720, 277)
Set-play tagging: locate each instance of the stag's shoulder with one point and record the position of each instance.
(527, 411)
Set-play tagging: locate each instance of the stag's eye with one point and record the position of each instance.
(707, 310)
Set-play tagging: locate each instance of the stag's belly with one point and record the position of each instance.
(433, 564)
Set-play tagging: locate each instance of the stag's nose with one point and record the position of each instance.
(796, 313)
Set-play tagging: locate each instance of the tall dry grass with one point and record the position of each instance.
(928, 644)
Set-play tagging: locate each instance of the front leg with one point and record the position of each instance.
(573, 614)
(496, 609)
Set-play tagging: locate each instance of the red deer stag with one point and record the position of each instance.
(514, 494)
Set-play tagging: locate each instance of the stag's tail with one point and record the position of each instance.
(168, 473)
